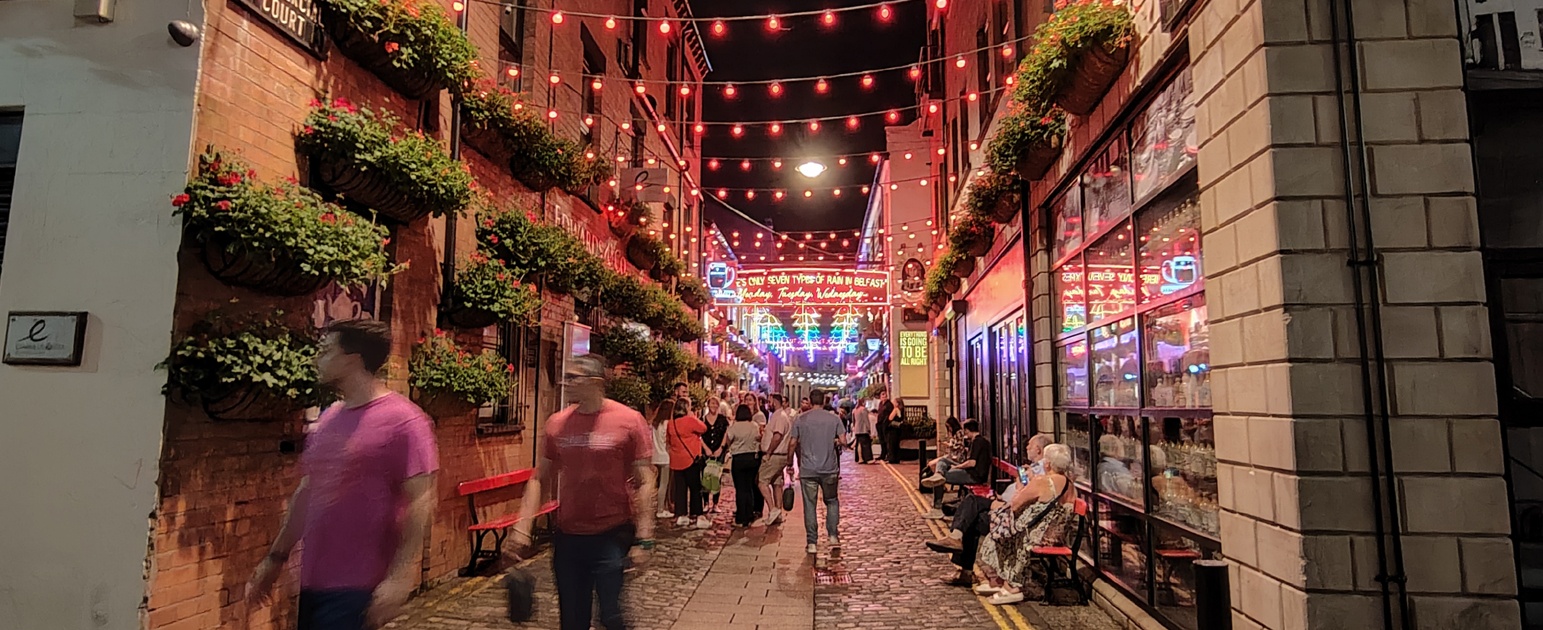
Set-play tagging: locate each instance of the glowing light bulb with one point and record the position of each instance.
(744, 165)
(773, 24)
(775, 128)
(1007, 51)
(867, 81)
(719, 28)
(557, 17)
(554, 79)
(908, 155)
(808, 194)
(829, 17)
(837, 192)
(712, 165)
(778, 195)
(974, 96)
(941, 4)
(685, 90)
(932, 108)
(893, 116)
(776, 89)
(729, 91)
(661, 127)
(738, 131)
(842, 161)
(873, 157)
(814, 125)
(959, 62)
(589, 121)
(596, 84)
(821, 86)
(885, 13)
(916, 72)
(776, 164)
(641, 88)
(941, 150)
(750, 194)
(699, 129)
(551, 113)
(664, 28)
(852, 122)
(610, 23)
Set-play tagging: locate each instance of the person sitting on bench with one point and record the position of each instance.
(976, 467)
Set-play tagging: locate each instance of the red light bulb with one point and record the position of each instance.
(916, 72)
(893, 116)
(885, 13)
(596, 84)
(1007, 51)
(557, 17)
(737, 131)
(821, 86)
(874, 157)
(641, 88)
(723, 194)
(959, 63)
(829, 18)
(712, 165)
(685, 90)
(555, 79)
(852, 122)
(699, 129)
(610, 23)
(729, 91)
(773, 24)
(778, 195)
(719, 28)
(744, 165)
(664, 28)
(941, 4)
(775, 128)
(867, 81)
(776, 164)
(932, 108)
(750, 194)
(814, 125)
(776, 89)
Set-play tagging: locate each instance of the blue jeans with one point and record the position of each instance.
(959, 476)
(943, 465)
(587, 566)
(813, 488)
(333, 610)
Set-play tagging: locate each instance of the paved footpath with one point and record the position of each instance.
(761, 579)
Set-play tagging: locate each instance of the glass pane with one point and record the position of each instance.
(1106, 188)
(1111, 275)
(1079, 440)
(1072, 366)
(1522, 299)
(1182, 467)
(1114, 365)
(1121, 464)
(1178, 355)
(1122, 547)
(1169, 233)
(1175, 552)
(1164, 138)
(1067, 216)
(1073, 310)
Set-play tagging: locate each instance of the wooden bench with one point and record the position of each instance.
(497, 527)
(1057, 572)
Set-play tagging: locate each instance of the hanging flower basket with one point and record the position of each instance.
(441, 404)
(452, 380)
(952, 284)
(1095, 72)
(485, 140)
(487, 292)
(1034, 162)
(1027, 142)
(249, 370)
(412, 46)
(641, 253)
(280, 239)
(272, 271)
(368, 187)
(470, 318)
(972, 236)
(964, 267)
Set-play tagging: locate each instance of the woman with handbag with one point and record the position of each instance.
(717, 427)
(741, 444)
(1035, 516)
(686, 463)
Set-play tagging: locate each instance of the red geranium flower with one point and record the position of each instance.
(328, 217)
(223, 205)
(179, 200)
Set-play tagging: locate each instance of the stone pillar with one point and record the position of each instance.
(1296, 493)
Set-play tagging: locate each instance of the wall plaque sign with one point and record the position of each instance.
(44, 338)
(299, 20)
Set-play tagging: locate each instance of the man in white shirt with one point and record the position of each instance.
(774, 458)
(862, 427)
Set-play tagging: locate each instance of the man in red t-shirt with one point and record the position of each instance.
(599, 453)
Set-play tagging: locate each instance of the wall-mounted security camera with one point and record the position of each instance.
(183, 32)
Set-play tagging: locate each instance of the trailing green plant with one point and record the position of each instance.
(540, 158)
(416, 166)
(441, 366)
(1075, 28)
(971, 230)
(728, 374)
(485, 284)
(416, 34)
(1022, 130)
(624, 346)
(574, 266)
(932, 288)
(692, 290)
(532, 250)
(259, 359)
(224, 204)
(630, 390)
(669, 265)
(989, 191)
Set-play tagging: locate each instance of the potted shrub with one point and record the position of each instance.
(363, 155)
(486, 110)
(693, 292)
(410, 44)
(643, 252)
(247, 370)
(972, 236)
(994, 195)
(281, 239)
(447, 380)
(486, 292)
(1078, 53)
(630, 390)
(1027, 143)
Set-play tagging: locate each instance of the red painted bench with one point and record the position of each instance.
(498, 526)
(985, 489)
(1059, 574)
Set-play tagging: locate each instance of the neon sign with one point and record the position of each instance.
(791, 287)
(720, 282)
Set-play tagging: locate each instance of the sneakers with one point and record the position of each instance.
(932, 482)
(703, 523)
(776, 517)
(936, 514)
(1003, 598)
(664, 515)
(811, 550)
(835, 547)
(684, 521)
(985, 588)
(946, 544)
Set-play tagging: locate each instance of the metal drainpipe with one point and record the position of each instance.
(1368, 310)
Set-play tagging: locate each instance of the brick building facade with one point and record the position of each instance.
(1341, 487)
(219, 489)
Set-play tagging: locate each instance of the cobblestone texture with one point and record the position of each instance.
(761, 579)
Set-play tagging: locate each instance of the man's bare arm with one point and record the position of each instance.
(294, 521)
(421, 495)
(530, 503)
(643, 498)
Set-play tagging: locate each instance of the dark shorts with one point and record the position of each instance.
(333, 610)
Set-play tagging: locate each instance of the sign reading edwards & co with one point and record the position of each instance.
(299, 20)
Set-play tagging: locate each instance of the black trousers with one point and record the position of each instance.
(686, 489)
(892, 446)
(974, 519)
(746, 498)
(864, 447)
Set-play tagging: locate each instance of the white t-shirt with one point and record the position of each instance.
(661, 445)
(780, 422)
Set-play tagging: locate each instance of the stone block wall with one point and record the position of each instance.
(1298, 522)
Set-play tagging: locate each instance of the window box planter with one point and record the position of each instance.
(413, 47)
(447, 380)
(1037, 159)
(259, 370)
(964, 267)
(1090, 78)
(412, 82)
(641, 253)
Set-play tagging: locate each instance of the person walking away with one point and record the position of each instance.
(862, 428)
(686, 464)
(774, 458)
(818, 438)
(741, 444)
(366, 493)
(712, 441)
(599, 453)
(893, 434)
(881, 422)
(661, 462)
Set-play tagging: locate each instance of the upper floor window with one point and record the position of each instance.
(10, 147)
(511, 45)
(594, 69)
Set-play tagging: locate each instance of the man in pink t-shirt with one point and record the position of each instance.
(365, 496)
(599, 452)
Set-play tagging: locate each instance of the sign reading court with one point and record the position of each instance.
(812, 285)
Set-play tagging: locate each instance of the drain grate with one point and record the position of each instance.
(828, 576)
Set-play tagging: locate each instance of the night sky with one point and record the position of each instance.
(804, 46)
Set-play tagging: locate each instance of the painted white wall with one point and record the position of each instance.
(105, 143)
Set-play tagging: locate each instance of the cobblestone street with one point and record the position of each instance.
(761, 579)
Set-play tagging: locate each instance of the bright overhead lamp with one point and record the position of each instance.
(811, 169)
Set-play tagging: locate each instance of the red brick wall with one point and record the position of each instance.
(224, 485)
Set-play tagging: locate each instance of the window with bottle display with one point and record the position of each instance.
(1132, 355)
